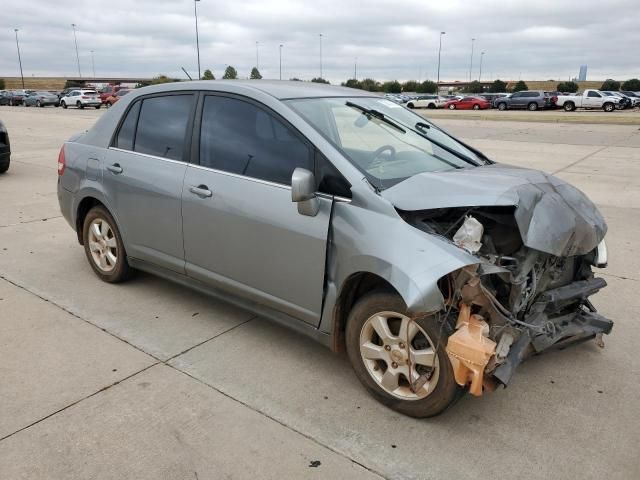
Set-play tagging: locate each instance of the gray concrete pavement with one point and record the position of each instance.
(207, 388)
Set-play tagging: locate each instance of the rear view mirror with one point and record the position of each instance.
(303, 192)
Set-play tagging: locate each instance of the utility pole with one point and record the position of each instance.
(439, 50)
(480, 75)
(281, 61)
(257, 56)
(355, 69)
(320, 55)
(73, 25)
(19, 58)
(93, 65)
(195, 12)
(471, 64)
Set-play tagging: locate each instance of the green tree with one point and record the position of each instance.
(320, 80)
(208, 75)
(352, 83)
(498, 86)
(632, 85)
(610, 84)
(1, 83)
(392, 86)
(161, 79)
(520, 86)
(230, 73)
(474, 87)
(410, 86)
(255, 74)
(427, 87)
(370, 85)
(295, 79)
(571, 87)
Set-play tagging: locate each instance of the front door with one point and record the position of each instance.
(143, 174)
(242, 232)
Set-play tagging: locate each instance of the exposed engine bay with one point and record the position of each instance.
(517, 301)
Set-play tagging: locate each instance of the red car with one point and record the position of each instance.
(467, 103)
(108, 91)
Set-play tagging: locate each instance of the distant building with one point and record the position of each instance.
(582, 76)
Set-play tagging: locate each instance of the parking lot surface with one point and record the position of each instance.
(150, 380)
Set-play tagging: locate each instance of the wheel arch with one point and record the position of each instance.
(91, 199)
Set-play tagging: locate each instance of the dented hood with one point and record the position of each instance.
(552, 216)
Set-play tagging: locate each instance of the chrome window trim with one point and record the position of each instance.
(171, 160)
(244, 177)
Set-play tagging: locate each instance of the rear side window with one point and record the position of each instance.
(162, 126)
(127, 132)
(239, 137)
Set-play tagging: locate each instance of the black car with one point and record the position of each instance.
(4, 97)
(5, 148)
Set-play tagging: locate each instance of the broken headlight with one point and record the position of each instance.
(600, 259)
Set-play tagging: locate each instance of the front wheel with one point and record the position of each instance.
(608, 107)
(399, 359)
(63, 104)
(4, 166)
(103, 246)
(502, 106)
(98, 107)
(410, 105)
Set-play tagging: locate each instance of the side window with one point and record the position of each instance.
(516, 95)
(594, 94)
(162, 126)
(126, 134)
(238, 137)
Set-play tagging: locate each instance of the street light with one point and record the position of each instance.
(480, 74)
(320, 55)
(73, 25)
(195, 12)
(281, 61)
(355, 69)
(439, 50)
(19, 58)
(471, 64)
(93, 65)
(257, 57)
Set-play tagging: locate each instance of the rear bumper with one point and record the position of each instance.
(65, 200)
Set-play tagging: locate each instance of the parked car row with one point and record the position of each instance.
(69, 97)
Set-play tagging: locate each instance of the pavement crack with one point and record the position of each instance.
(580, 160)
(103, 389)
(31, 221)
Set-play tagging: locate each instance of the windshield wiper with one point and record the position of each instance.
(421, 129)
(369, 112)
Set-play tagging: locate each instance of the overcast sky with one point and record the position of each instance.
(539, 39)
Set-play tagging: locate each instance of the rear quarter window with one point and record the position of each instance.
(126, 134)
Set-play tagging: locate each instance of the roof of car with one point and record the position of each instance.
(281, 89)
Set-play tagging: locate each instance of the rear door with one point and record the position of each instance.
(242, 232)
(143, 173)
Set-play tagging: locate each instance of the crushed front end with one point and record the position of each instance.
(529, 291)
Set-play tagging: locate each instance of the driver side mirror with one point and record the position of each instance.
(303, 192)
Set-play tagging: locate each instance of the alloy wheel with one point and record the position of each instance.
(399, 356)
(103, 245)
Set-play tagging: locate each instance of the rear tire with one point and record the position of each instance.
(410, 105)
(430, 336)
(98, 107)
(79, 105)
(38, 104)
(103, 246)
(63, 104)
(532, 107)
(476, 107)
(4, 165)
(452, 107)
(569, 107)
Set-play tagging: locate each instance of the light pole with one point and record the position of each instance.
(257, 57)
(320, 55)
(195, 12)
(471, 64)
(355, 69)
(93, 65)
(440, 50)
(480, 74)
(281, 61)
(73, 25)
(19, 58)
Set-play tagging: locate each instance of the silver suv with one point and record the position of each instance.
(346, 217)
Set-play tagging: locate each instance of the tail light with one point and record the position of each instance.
(61, 161)
(84, 97)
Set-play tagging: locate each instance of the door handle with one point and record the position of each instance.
(115, 168)
(201, 191)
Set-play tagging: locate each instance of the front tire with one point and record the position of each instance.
(4, 166)
(98, 107)
(410, 105)
(502, 106)
(103, 246)
(400, 360)
(63, 104)
(608, 107)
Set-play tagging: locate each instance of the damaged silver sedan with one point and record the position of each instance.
(348, 218)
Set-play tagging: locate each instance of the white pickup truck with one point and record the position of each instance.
(588, 99)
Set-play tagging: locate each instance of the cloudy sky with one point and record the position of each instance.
(540, 39)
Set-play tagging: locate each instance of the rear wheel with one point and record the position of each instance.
(411, 105)
(98, 107)
(476, 107)
(452, 107)
(401, 360)
(38, 104)
(532, 107)
(569, 107)
(103, 246)
(79, 105)
(64, 104)
(4, 165)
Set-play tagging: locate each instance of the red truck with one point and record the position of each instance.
(108, 91)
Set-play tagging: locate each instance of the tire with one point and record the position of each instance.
(98, 107)
(410, 105)
(108, 104)
(569, 107)
(502, 106)
(452, 107)
(532, 107)
(79, 105)
(38, 104)
(608, 107)
(102, 249)
(24, 103)
(476, 107)
(439, 395)
(4, 165)
(431, 106)
(63, 104)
